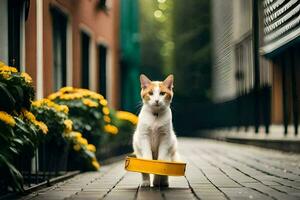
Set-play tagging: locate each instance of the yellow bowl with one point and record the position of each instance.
(155, 167)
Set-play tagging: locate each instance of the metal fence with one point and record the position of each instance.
(49, 160)
(251, 109)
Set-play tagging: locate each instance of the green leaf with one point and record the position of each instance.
(18, 95)
(16, 176)
(7, 101)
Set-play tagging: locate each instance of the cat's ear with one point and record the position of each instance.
(168, 82)
(145, 81)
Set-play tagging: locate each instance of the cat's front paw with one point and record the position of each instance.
(145, 183)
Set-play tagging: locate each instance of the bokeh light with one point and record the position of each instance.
(158, 13)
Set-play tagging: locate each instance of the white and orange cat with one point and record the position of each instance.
(154, 137)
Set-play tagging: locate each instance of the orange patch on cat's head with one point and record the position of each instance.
(167, 86)
(145, 92)
(146, 87)
(168, 91)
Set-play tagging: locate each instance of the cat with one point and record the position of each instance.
(154, 137)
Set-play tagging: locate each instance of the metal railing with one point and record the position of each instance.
(240, 112)
(49, 160)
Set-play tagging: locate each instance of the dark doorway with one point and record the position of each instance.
(15, 13)
(102, 53)
(59, 24)
(85, 60)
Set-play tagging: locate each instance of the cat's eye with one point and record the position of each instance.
(150, 93)
(162, 93)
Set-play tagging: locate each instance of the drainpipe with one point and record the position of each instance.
(255, 42)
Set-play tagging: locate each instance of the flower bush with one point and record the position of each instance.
(75, 119)
(93, 118)
(88, 111)
(20, 131)
(16, 89)
(61, 132)
(112, 145)
(87, 159)
(55, 117)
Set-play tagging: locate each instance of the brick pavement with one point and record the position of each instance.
(215, 170)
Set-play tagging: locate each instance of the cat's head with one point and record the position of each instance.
(157, 94)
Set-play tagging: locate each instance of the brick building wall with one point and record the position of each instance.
(82, 17)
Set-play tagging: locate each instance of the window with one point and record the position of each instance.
(104, 5)
(4, 31)
(102, 53)
(16, 20)
(85, 60)
(59, 24)
(244, 64)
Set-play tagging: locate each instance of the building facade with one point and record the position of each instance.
(266, 77)
(64, 42)
(233, 70)
(281, 45)
(223, 81)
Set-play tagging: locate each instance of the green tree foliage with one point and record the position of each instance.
(192, 58)
(156, 38)
(175, 38)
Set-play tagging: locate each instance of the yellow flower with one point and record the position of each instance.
(96, 96)
(96, 164)
(111, 129)
(37, 103)
(48, 103)
(42, 126)
(124, 115)
(89, 103)
(61, 108)
(29, 116)
(82, 141)
(8, 69)
(78, 95)
(76, 134)
(54, 95)
(26, 76)
(68, 125)
(103, 102)
(67, 96)
(7, 119)
(77, 147)
(6, 75)
(1, 64)
(91, 148)
(105, 110)
(107, 119)
(66, 89)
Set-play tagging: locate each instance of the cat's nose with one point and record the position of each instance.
(156, 101)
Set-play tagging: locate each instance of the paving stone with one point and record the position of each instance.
(149, 194)
(244, 193)
(288, 190)
(121, 195)
(177, 194)
(88, 195)
(270, 191)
